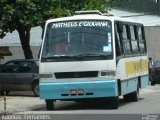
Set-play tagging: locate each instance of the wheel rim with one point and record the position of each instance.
(36, 89)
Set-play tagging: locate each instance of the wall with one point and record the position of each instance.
(17, 53)
(153, 41)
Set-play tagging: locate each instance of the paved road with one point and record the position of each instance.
(149, 103)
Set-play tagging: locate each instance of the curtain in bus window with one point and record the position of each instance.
(126, 43)
(119, 48)
(141, 41)
(133, 40)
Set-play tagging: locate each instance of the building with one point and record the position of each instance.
(12, 41)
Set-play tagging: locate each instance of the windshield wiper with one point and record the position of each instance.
(90, 54)
(57, 56)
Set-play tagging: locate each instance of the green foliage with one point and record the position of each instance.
(21, 15)
(26, 13)
(29, 13)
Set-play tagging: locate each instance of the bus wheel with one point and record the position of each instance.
(49, 105)
(153, 83)
(114, 102)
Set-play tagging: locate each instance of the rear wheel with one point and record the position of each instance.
(153, 83)
(49, 105)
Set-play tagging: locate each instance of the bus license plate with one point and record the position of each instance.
(79, 91)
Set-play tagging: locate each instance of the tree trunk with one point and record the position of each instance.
(24, 35)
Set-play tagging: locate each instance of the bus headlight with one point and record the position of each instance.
(46, 75)
(107, 73)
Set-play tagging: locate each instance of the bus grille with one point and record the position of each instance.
(83, 74)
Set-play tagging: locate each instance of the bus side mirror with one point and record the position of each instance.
(120, 27)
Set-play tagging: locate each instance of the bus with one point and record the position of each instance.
(91, 56)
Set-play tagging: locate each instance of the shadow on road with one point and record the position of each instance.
(21, 94)
(98, 105)
(35, 104)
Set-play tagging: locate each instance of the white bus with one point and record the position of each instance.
(92, 56)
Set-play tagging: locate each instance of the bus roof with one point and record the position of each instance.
(92, 16)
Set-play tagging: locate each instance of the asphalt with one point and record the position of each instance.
(25, 102)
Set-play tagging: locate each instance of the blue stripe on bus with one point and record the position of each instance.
(61, 90)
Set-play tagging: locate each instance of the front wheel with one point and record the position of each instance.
(49, 105)
(114, 102)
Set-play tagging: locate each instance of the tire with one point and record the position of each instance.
(35, 89)
(127, 97)
(153, 83)
(49, 105)
(133, 97)
(114, 102)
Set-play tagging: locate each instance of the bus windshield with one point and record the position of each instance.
(84, 39)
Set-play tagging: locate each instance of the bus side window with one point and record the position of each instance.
(134, 41)
(126, 40)
(118, 43)
(141, 39)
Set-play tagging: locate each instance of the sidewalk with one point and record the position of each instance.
(20, 103)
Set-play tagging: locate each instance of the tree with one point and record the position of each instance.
(22, 15)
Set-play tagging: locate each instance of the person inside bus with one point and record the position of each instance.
(61, 47)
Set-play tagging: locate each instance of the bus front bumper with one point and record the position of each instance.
(78, 90)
